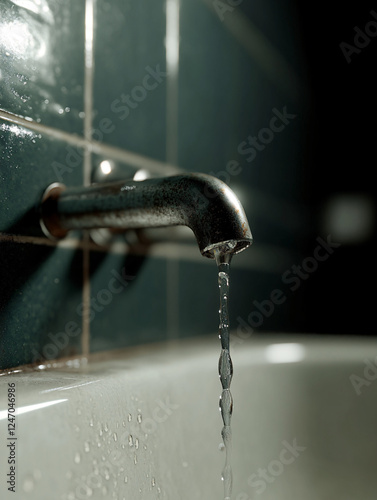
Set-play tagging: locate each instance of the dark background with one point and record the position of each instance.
(339, 159)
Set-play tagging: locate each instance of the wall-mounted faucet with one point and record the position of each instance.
(202, 202)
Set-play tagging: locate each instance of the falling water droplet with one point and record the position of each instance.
(225, 366)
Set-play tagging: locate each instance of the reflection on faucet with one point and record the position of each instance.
(202, 202)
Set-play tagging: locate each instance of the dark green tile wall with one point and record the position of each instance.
(128, 300)
(30, 161)
(40, 301)
(224, 95)
(130, 75)
(42, 55)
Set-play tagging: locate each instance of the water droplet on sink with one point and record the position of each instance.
(87, 446)
(153, 482)
(130, 440)
(129, 417)
(77, 458)
(37, 474)
(115, 436)
(139, 418)
(28, 485)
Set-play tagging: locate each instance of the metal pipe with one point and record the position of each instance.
(202, 202)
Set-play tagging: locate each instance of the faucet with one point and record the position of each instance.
(202, 202)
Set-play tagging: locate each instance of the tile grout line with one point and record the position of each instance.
(129, 157)
(87, 167)
(182, 252)
(172, 68)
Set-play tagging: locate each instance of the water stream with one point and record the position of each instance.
(225, 367)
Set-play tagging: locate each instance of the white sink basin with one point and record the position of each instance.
(147, 426)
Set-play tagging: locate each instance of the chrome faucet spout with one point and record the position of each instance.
(202, 202)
